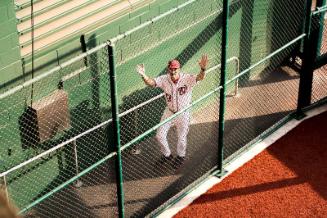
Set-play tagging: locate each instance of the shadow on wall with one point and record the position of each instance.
(281, 27)
(144, 118)
(285, 24)
(137, 122)
(246, 38)
(211, 29)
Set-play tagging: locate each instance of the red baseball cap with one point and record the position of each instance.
(174, 64)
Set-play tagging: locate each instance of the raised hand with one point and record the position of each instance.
(203, 62)
(140, 69)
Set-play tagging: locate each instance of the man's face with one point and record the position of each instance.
(174, 73)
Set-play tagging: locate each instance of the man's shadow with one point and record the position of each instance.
(137, 121)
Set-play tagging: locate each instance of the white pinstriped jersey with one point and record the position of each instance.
(178, 95)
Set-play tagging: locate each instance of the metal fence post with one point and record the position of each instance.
(222, 96)
(116, 128)
(306, 76)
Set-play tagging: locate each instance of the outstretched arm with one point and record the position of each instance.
(147, 80)
(203, 62)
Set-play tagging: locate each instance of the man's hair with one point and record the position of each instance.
(7, 210)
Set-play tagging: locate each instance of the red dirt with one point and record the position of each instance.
(289, 179)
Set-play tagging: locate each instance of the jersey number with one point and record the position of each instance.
(168, 97)
(182, 90)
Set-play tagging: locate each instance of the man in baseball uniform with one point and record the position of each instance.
(177, 87)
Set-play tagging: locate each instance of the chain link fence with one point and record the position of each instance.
(55, 128)
(184, 35)
(92, 195)
(319, 84)
(59, 155)
(323, 49)
(267, 92)
(323, 26)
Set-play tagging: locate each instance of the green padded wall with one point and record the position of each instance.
(10, 63)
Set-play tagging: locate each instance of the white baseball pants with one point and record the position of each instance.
(181, 123)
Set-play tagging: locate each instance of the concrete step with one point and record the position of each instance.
(53, 14)
(68, 20)
(78, 22)
(38, 8)
(20, 4)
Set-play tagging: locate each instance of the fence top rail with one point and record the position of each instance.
(320, 10)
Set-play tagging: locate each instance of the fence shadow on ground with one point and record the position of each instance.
(164, 182)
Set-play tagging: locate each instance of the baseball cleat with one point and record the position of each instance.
(179, 161)
(165, 159)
